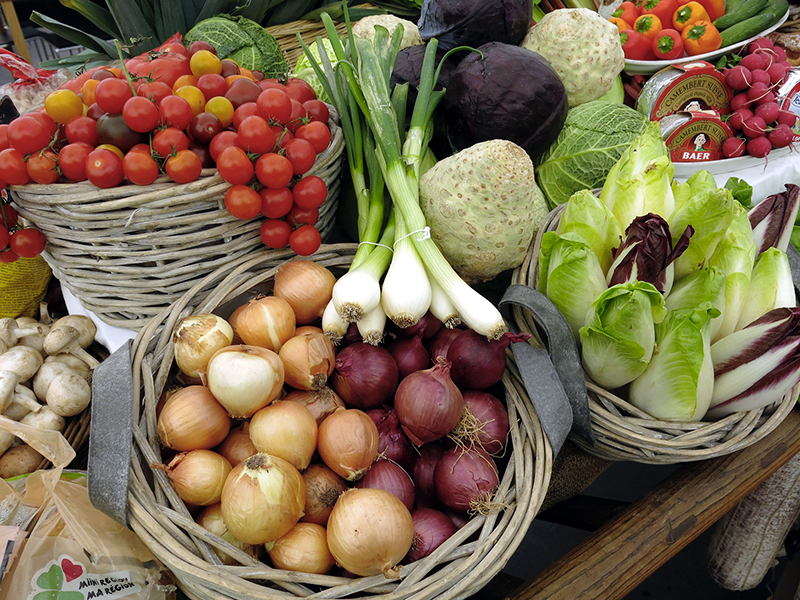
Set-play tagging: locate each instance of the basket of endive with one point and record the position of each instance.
(270, 462)
(682, 304)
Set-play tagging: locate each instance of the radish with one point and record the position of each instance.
(787, 117)
(754, 61)
(738, 78)
(733, 147)
(761, 42)
(777, 73)
(740, 101)
(781, 136)
(754, 127)
(739, 117)
(760, 75)
(769, 112)
(765, 99)
(759, 146)
(780, 53)
(757, 90)
(769, 57)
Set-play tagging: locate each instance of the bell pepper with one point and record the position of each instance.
(687, 14)
(701, 37)
(714, 8)
(648, 26)
(668, 45)
(636, 46)
(663, 9)
(627, 11)
(621, 25)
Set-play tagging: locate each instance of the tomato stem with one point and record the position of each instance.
(124, 68)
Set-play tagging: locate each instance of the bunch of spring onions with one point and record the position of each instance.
(381, 153)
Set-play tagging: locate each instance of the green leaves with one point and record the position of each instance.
(74, 35)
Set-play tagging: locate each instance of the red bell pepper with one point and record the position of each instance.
(663, 9)
(636, 46)
(714, 8)
(668, 45)
(627, 11)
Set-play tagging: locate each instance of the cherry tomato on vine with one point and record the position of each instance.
(12, 167)
(184, 167)
(274, 170)
(45, 119)
(234, 165)
(298, 117)
(276, 203)
(302, 216)
(243, 202)
(300, 90)
(305, 240)
(175, 112)
(104, 167)
(301, 154)
(139, 168)
(81, 129)
(275, 233)
(8, 256)
(4, 137)
(169, 141)
(140, 114)
(111, 94)
(154, 90)
(27, 134)
(5, 237)
(27, 243)
(310, 192)
(317, 110)
(145, 148)
(255, 135)
(248, 109)
(42, 167)
(316, 133)
(282, 135)
(212, 85)
(8, 215)
(222, 140)
(72, 160)
(63, 105)
(274, 104)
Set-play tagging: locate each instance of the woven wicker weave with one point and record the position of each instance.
(130, 251)
(623, 432)
(465, 563)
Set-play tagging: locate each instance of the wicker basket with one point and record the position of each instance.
(623, 432)
(130, 251)
(460, 567)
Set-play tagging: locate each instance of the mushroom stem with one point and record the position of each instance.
(65, 339)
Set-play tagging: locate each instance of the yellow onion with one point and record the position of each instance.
(198, 476)
(323, 488)
(244, 378)
(321, 402)
(304, 549)
(266, 321)
(308, 360)
(196, 338)
(237, 446)
(308, 329)
(192, 419)
(211, 518)
(262, 499)
(347, 442)
(369, 532)
(287, 430)
(307, 286)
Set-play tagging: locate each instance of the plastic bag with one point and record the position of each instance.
(74, 551)
(23, 285)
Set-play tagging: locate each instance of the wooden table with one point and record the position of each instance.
(634, 543)
(10, 15)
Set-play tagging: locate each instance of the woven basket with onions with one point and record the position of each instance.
(623, 432)
(457, 569)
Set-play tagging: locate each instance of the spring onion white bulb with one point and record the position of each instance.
(356, 293)
(406, 294)
(442, 308)
(333, 325)
(371, 325)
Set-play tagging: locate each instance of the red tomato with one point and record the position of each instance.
(248, 109)
(317, 110)
(310, 192)
(276, 203)
(242, 91)
(5, 237)
(316, 133)
(27, 243)
(72, 160)
(302, 216)
(104, 168)
(170, 140)
(243, 202)
(9, 256)
(201, 45)
(255, 135)
(139, 168)
(274, 170)
(140, 114)
(8, 215)
(49, 124)
(162, 67)
(234, 165)
(81, 129)
(298, 117)
(42, 167)
(274, 105)
(28, 135)
(222, 140)
(212, 85)
(154, 90)
(112, 94)
(175, 112)
(141, 148)
(183, 167)
(305, 240)
(282, 135)
(204, 126)
(12, 167)
(4, 143)
(173, 48)
(95, 112)
(301, 154)
(275, 234)
(300, 90)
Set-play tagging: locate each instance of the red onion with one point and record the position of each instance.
(440, 343)
(457, 518)
(352, 335)
(409, 354)
(422, 473)
(490, 420)
(428, 325)
(387, 475)
(477, 362)
(392, 442)
(465, 479)
(431, 528)
(365, 376)
(428, 403)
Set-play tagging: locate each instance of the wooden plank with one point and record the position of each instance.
(612, 561)
(20, 45)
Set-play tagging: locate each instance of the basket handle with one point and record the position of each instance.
(553, 377)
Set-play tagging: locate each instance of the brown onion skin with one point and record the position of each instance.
(321, 402)
(237, 446)
(347, 442)
(464, 476)
(422, 473)
(387, 475)
(491, 413)
(323, 488)
(392, 442)
(365, 376)
(307, 286)
(192, 419)
(410, 355)
(266, 321)
(431, 529)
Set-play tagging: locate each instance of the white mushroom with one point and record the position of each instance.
(87, 330)
(34, 340)
(46, 418)
(65, 338)
(44, 314)
(12, 392)
(46, 373)
(22, 360)
(68, 395)
(10, 332)
(80, 367)
(16, 411)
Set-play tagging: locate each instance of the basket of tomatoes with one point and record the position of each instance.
(147, 176)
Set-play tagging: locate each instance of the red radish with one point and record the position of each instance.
(754, 61)
(739, 117)
(738, 78)
(769, 56)
(759, 147)
(780, 53)
(757, 90)
(740, 101)
(777, 73)
(754, 127)
(769, 112)
(765, 99)
(733, 147)
(760, 75)
(787, 117)
(781, 136)
(757, 43)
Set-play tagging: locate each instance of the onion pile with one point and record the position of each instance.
(295, 444)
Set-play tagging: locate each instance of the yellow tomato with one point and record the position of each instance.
(247, 73)
(184, 80)
(87, 91)
(63, 105)
(193, 96)
(221, 107)
(203, 62)
(113, 148)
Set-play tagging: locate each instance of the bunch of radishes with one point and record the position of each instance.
(757, 118)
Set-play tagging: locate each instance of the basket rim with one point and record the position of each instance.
(624, 432)
(456, 570)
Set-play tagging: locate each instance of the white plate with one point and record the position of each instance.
(646, 67)
(729, 165)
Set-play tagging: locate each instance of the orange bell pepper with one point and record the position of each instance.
(648, 25)
(714, 8)
(687, 14)
(701, 37)
(621, 25)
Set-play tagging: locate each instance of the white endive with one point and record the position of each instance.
(771, 287)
